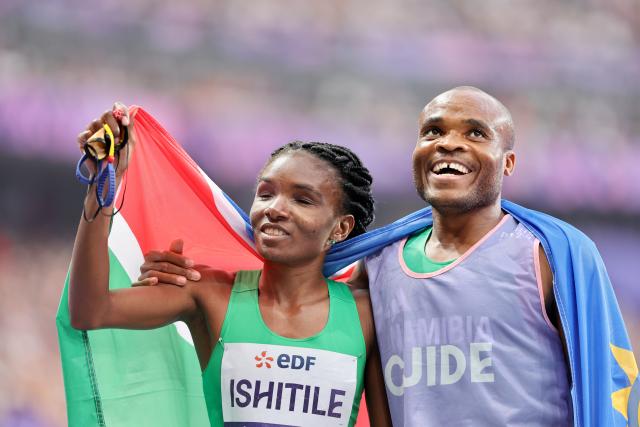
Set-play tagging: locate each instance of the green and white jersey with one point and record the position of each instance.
(258, 378)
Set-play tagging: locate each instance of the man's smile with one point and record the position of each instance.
(447, 171)
(451, 167)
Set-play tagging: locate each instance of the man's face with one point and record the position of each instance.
(460, 157)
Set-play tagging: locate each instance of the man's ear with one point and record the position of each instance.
(509, 162)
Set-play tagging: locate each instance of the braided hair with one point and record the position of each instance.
(354, 178)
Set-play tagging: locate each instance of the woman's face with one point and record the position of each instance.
(296, 209)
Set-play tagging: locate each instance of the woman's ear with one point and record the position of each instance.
(343, 228)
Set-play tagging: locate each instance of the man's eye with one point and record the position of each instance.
(477, 133)
(264, 195)
(432, 132)
(304, 201)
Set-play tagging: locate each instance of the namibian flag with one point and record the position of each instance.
(116, 377)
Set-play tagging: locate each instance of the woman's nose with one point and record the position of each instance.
(276, 210)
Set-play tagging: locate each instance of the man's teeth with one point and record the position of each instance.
(271, 231)
(455, 166)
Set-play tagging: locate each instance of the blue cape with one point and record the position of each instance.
(605, 391)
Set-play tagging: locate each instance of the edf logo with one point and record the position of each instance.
(263, 360)
(286, 361)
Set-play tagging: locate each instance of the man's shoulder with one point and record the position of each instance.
(546, 226)
(390, 249)
(570, 250)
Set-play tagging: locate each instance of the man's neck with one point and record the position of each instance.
(454, 233)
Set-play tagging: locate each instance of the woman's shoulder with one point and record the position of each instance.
(213, 281)
(348, 292)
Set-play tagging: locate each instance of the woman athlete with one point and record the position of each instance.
(281, 346)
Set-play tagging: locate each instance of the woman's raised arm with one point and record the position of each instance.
(91, 304)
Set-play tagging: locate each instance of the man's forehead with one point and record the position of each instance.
(464, 104)
(470, 106)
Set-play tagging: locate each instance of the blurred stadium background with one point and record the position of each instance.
(232, 80)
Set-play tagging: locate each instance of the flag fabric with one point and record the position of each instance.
(605, 388)
(116, 377)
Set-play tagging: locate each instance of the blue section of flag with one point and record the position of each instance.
(242, 213)
(588, 308)
(634, 403)
(247, 229)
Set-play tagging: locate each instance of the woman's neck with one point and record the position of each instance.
(292, 285)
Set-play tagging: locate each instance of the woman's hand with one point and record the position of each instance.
(167, 267)
(117, 118)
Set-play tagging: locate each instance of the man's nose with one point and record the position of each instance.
(452, 141)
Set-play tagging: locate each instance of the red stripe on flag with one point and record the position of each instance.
(167, 197)
(345, 275)
(363, 414)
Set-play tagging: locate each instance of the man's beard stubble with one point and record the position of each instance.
(487, 192)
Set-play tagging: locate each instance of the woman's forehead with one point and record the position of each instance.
(301, 167)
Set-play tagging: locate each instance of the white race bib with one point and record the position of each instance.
(286, 386)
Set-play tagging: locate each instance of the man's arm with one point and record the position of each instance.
(359, 279)
(375, 393)
(550, 305)
(173, 267)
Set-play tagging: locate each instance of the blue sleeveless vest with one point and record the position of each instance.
(470, 344)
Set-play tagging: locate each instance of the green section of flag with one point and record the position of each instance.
(116, 377)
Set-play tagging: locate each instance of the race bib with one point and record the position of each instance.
(275, 385)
